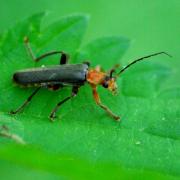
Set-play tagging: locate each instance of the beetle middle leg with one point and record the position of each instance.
(64, 56)
(53, 112)
(20, 108)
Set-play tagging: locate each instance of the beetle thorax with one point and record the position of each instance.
(95, 77)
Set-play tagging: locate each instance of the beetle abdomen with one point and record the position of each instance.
(69, 74)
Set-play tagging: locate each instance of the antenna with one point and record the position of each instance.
(140, 59)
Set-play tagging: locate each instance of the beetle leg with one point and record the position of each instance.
(98, 102)
(64, 56)
(20, 108)
(53, 112)
(54, 87)
(86, 62)
(98, 68)
(28, 48)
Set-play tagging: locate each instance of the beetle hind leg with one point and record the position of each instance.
(26, 102)
(53, 112)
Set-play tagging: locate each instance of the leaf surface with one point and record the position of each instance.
(147, 139)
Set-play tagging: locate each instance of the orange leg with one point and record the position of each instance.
(98, 102)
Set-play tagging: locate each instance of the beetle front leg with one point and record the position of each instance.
(20, 108)
(98, 102)
(53, 112)
(64, 56)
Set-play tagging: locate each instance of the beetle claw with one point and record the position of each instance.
(52, 117)
(117, 118)
(12, 112)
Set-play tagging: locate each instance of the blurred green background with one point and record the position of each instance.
(151, 25)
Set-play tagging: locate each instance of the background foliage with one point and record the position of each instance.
(84, 142)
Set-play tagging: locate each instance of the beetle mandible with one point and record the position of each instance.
(74, 75)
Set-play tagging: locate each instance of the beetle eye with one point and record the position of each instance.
(105, 84)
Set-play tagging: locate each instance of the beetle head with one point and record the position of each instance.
(110, 83)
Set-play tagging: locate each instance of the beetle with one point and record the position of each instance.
(73, 75)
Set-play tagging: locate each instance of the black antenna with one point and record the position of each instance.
(142, 58)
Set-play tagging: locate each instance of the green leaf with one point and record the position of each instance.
(144, 144)
(11, 39)
(110, 50)
(71, 167)
(65, 35)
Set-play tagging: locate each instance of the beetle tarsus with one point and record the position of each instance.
(12, 112)
(52, 117)
(117, 118)
(26, 39)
